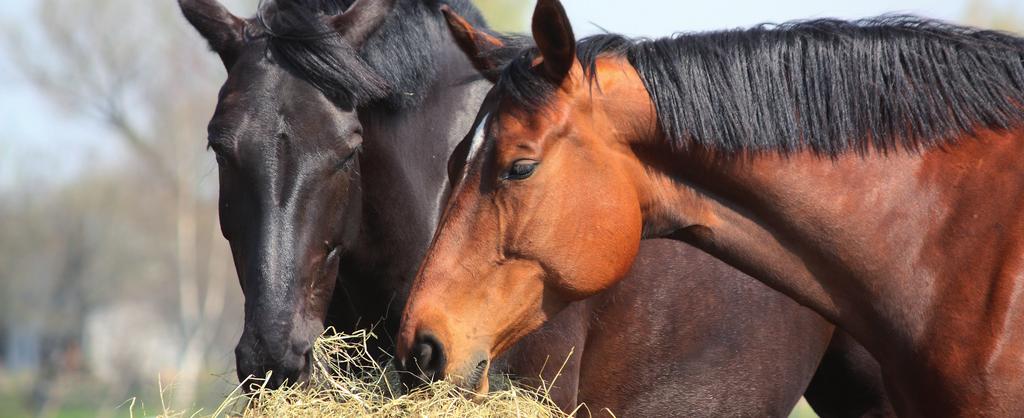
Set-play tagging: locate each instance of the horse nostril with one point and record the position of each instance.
(423, 353)
(428, 356)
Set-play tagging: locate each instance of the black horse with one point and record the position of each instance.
(332, 134)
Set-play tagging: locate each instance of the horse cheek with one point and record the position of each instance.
(611, 241)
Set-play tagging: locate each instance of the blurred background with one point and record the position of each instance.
(114, 279)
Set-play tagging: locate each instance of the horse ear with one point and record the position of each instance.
(361, 20)
(221, 29)
(474, 43)
(553, 34)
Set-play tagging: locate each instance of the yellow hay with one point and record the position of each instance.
(346, 381)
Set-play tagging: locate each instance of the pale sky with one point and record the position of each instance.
(664, 17)
(36, 133)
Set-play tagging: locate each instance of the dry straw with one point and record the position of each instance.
(346, 381)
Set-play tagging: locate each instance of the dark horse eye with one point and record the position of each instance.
(218, 152)
(521, 170)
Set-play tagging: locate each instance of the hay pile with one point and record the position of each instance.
(346, 381)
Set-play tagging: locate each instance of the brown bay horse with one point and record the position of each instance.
(871, 170)
(332, 156)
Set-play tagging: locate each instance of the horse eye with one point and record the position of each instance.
(347, 162)
(522, 169)
(218, 151)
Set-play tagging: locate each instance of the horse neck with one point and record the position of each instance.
(918, 254)
(863, 240)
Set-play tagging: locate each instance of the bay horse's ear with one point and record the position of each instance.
(361, 20)
(476, 44)
(221, 29)
(553, 34)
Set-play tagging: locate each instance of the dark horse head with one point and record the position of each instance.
(285, 130)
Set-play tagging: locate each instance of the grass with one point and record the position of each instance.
(12, 406)
(78, 401)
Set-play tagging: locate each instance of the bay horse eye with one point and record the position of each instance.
(521, 170)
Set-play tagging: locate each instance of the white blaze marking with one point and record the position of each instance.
(478, 139)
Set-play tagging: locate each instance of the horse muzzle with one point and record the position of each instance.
(428, 361)
(279, 363)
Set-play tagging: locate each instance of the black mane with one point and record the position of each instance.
(394, 67)
(892, 82)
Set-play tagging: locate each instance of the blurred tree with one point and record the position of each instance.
(983, 13)
(506, 15)
(143, 231)
(147, 230)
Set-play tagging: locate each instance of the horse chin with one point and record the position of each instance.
(479, 379)
(483, 388)
(475, 382)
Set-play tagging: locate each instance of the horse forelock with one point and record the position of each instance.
(394, 67)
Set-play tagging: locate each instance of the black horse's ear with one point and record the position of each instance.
(553, 34)
(474, 43)
(222, 30)
(361, 20)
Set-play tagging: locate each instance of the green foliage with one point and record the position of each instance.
(983, 13)
(506, 15)
(802, 410)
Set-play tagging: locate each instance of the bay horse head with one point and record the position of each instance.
(511, 251)
(840, 162)
(286, 137)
